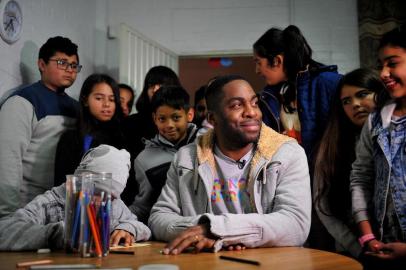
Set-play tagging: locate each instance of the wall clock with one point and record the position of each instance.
(11, 19)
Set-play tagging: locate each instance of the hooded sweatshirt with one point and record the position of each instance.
(278, 184)
(151, 167)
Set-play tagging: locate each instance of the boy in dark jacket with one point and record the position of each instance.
(172, 116)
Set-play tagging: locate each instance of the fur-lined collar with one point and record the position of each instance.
(268, 143)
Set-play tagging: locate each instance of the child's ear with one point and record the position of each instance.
(277, 61)
(190, 114)
(153, 117)
(41, 65)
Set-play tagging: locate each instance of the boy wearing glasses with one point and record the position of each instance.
(31, 122)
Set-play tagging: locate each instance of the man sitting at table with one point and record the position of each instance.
(240, 185)
(40, 224)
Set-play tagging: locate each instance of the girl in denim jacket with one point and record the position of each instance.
(378, 177)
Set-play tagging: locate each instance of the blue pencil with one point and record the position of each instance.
(85, 227)
(76, 220)
(104, 229)
(100, 216)
(108, 209)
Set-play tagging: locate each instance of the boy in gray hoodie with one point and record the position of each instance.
(40, 224)
(172, 116)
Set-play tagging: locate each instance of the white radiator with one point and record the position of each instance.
(138, 54)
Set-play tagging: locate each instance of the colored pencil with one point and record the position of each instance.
(239, 260)
(128, 252)
(27, 264)
(76, 221)
(94, 231)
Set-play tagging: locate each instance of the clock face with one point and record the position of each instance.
(11, 20)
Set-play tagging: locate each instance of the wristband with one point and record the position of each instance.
(366, 238)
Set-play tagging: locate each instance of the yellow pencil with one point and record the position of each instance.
(27, 264)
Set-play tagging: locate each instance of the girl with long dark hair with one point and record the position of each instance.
(99, 120)
(378, 175)
(297, 98)
(355, 98)
(296, 101)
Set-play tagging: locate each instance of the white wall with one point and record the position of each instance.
(200, 26)
(190, 27)
(187, 27)
(331, 28)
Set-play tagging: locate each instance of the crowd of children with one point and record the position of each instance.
(352, 129)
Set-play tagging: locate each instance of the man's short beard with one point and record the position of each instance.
(239, 140)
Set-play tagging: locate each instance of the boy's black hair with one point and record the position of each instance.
(396, 37)
(173, 96)
(57, 44)
(214, 92)
(161, 75)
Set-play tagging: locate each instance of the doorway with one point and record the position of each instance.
(195, 71)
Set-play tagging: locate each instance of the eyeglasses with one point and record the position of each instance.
(64, 65)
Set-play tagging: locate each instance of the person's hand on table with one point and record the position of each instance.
(373, 246)
(196, 237)
(121, 236)
(390, 251)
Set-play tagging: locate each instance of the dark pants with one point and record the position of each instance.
(319, 238)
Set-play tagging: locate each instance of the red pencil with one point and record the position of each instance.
(94, 231)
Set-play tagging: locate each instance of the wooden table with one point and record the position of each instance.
(270, 258)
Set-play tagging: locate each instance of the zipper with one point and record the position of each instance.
(263, 170)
